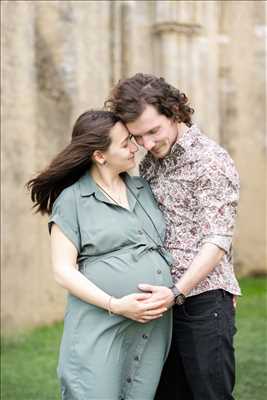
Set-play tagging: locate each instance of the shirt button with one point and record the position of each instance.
(136, 358)
(215, 315)
(140, 232)
(144, 336)
(129, 380)
(159, 271)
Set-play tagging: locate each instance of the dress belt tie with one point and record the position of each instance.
(137, 252)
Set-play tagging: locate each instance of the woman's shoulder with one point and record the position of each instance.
(67, 195)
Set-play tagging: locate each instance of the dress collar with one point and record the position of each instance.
(89, 187)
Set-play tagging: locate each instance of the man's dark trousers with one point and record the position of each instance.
(201, 362)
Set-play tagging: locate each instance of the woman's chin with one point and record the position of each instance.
(131, 165)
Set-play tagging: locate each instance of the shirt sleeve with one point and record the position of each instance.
(64, 214)
(218, 194)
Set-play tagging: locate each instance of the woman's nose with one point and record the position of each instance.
(133, 147)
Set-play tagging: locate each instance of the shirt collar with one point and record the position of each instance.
(133, 182)
(89, 187)
(184, 142)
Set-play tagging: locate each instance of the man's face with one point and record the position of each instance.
(154, 131)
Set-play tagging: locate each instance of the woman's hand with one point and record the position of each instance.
(137, 307)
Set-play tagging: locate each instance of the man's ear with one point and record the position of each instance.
(99, 157)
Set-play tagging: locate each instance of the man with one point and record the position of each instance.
(196, 186)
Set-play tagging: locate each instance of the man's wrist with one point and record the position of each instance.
(178, 296)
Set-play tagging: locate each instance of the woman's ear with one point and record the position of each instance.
(99, 157)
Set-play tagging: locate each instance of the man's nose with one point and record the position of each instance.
(148, 143)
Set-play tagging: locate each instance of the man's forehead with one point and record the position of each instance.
(147, 121)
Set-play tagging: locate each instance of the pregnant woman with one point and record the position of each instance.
(106, 238)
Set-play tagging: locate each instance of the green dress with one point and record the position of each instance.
(102, 356)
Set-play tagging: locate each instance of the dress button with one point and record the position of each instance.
(159, 271)
(129, 380)
(144, 336)
(215, 315)
(136, 358)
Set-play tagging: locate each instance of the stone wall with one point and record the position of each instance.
(60, 58)
(243, 122)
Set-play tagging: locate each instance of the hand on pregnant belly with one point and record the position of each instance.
(135, 307)
(158, 294)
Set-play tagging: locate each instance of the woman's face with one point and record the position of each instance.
(120, 155)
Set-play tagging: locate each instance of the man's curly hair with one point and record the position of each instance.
(130, 96)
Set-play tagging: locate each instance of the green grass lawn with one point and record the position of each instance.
(29, 362)
(251, 340)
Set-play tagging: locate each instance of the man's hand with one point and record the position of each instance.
(138, 307)
(160, 294)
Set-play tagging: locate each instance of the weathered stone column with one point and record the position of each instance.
(20, 256)
(92, 51)
(136, 39)
(173, 29)
(187, 57)
(243, 122)
(205, 65)
(56, 79)
(131, 42)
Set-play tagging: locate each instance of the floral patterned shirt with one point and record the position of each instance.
(197, 188)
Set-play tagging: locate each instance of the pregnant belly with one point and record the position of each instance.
(120, 275)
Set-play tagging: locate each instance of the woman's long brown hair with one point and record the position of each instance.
(91, 132)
